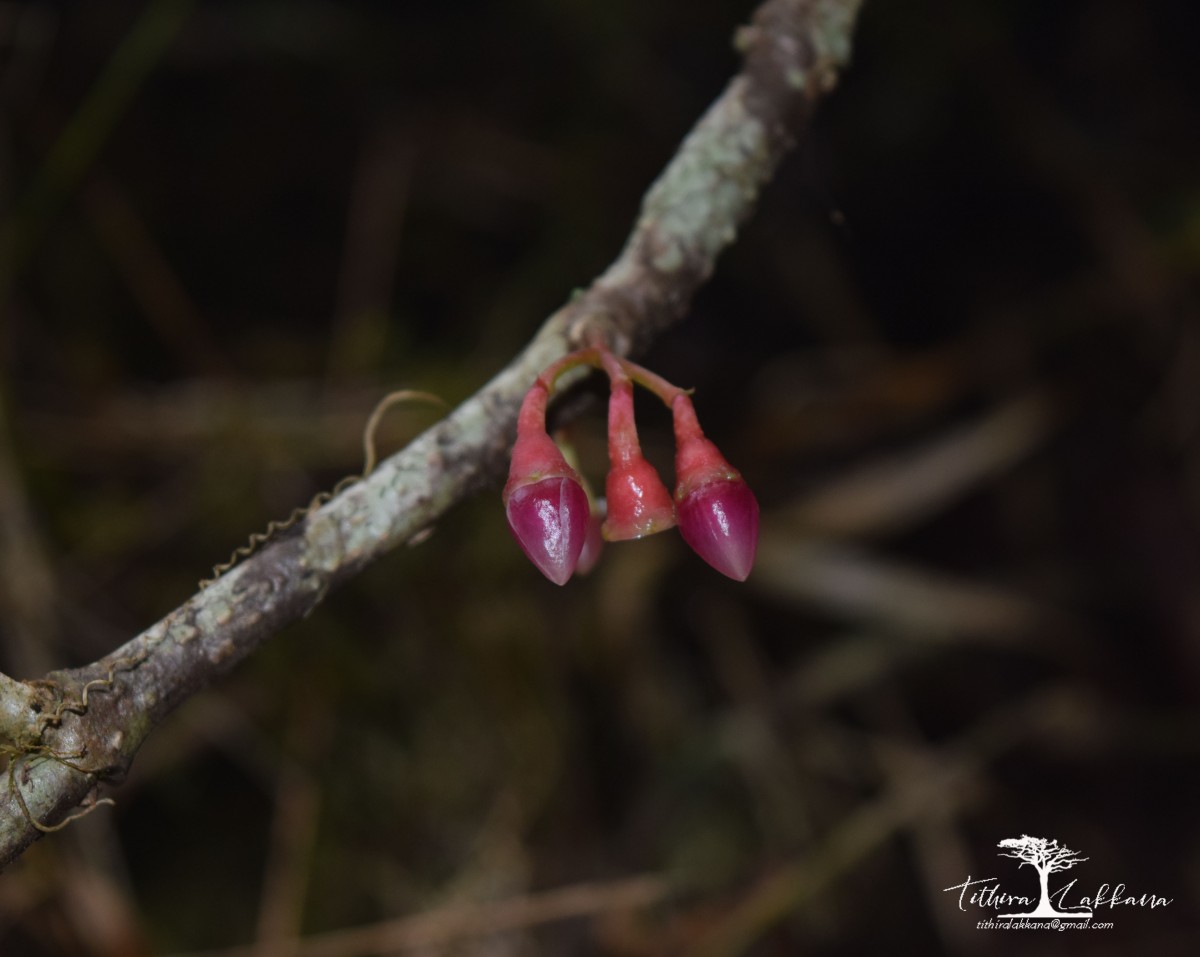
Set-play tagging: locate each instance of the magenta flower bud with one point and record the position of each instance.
(544, 500)
(720, 522)
(717, 512)
(549, 519)
(593, 543)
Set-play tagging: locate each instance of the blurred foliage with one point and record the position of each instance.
(956, 353)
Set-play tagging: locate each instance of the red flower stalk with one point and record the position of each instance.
(544, 500)
(718, 514)
(638, 502)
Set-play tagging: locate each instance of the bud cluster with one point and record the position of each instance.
(557, 522)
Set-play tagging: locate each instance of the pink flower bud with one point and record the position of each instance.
(544, 500)
(593, 544)
(638, 502)
(718, 514)
(549, 520)
(720, 522)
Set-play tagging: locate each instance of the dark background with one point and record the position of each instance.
(955, 353)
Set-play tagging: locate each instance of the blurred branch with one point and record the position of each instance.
(458, 921)
(150, 277)
(926, 605)
(954, 777)
(900, 491)
(88, 722)
(82, 139)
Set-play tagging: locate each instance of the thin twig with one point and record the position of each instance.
(793, 50)
(459, 921)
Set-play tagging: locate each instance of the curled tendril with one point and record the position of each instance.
(65, 705)
(258, 539)
(63, 758)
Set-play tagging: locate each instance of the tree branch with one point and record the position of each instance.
(76, 729)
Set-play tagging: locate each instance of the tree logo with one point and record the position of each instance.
(1047, 910)
(1046, 857)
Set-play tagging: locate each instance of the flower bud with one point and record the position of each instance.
(638, 502)
(593, 543)
(718, 514)
(545, 504)
(593, 539)
(549, 520)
